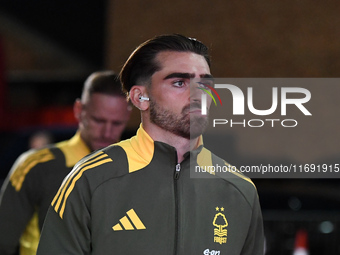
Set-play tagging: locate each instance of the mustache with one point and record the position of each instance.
(191, 106)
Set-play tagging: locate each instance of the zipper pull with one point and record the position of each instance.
(178, 169)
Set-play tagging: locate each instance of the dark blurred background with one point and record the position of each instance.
(48, 48)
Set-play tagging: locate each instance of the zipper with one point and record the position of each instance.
(176, 176)
(178, 170)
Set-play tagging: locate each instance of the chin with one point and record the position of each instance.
(197, 127)
(101, 146)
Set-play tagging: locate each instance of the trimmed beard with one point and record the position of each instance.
(184, 125)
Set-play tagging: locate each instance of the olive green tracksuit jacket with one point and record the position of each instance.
(134, 198)
(28, 191)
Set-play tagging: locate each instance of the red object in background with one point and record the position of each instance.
(301, 243)
(57, 115)
(3, 85)
(44, 117)
(13, 119)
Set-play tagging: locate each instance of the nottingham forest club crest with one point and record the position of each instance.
(220, 223)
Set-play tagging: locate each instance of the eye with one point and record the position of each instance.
(206, 82)
(203, 85)
(179, 83)
(97, 120)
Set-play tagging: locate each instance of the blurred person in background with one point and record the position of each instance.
(102, 114)
(40, 139)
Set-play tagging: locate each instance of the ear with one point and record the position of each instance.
(77, 108)
(135, 93)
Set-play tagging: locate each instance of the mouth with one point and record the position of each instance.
(102, 144)
(193, 108)
(195, 111)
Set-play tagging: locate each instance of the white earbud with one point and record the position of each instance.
(142, 99)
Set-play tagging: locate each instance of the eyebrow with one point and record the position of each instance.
(186, 76)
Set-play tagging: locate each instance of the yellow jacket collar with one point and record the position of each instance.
(73, 149)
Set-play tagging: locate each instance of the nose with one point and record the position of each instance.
(107, 131)
(196, 91)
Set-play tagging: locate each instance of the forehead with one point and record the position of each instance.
(186, 62)
(102, 102)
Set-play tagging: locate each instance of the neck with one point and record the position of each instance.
(182, 145)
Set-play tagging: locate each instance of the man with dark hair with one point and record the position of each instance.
(137, 196)
(102, 114)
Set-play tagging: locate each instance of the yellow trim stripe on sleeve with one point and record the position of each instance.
(239, 174)
(204, 160)
(31, 160)
(68, 179)
(69, 190)
(68, 184)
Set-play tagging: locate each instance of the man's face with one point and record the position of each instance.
(175, 100)
(102, 120)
